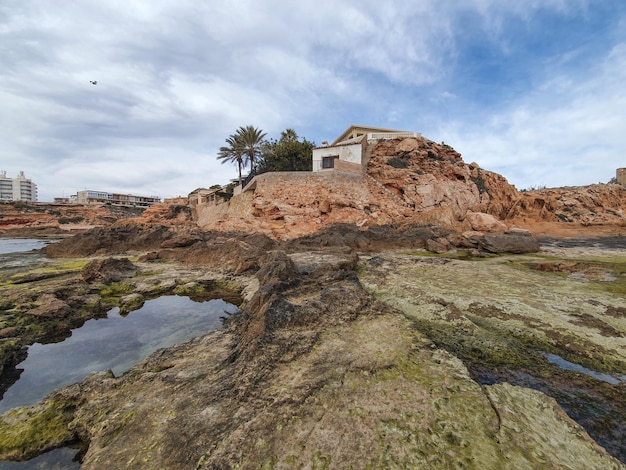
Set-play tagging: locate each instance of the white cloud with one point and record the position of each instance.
(176, 78)
(568, 132)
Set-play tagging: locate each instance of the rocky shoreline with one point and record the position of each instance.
(353, 347)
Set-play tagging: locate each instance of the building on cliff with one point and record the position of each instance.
(348, 153)
(621, 176)
(213, 196)
(17, 189)
(116, 199)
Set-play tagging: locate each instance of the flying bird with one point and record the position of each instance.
(93, 82)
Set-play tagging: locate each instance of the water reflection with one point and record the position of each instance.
(57, 459)
(562, 363)
(115, 343)
(21, 245)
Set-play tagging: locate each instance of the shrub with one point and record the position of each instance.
(479, 181)
(70, 220)
(397, 162)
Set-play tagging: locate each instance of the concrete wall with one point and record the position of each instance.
(277, 187)
(238, 207)
(348, 167)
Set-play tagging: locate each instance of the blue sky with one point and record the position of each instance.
(533, 90)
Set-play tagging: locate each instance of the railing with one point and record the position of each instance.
(352, 140)
(248, 178)
(391, 135)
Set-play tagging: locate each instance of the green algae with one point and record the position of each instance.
(110, 295)
(25, 433)
(203, 291)
(614, 267)
(320, 461)
(464, 255)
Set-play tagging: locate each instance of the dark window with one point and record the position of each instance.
(328, 162)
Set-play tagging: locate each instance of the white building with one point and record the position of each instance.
(347, 152)
(17, 189)
(116, 199)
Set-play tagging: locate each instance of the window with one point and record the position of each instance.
(329, 162)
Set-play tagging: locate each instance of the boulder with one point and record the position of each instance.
(508, 243)
(50, 307)
(181, 241)
(108, 270)
(276, 267)
(407, 145)
(439, 245)
(131, 302)
(482, 222)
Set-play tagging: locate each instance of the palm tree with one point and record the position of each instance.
(234, 153)
(288, 135)
(251, 140)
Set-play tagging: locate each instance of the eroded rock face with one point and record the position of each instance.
(414, 180)
(22, 218)
(594, 205)
(428, 175)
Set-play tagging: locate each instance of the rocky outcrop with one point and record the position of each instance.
(407, 180)
(121, 237)
(428, 176)
(316, 372)
(413, 180)
(599, 208)
(36, 219)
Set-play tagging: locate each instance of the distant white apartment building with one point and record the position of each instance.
(17, 189)
(100, 197)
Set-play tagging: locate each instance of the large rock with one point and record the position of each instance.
(108, 270)
(276, 267)
(508, 243)
(482, 222)
(50, 307)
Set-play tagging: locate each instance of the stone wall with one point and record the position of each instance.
(237, 209)
(347, 167)
(290, 204)
(621, 176)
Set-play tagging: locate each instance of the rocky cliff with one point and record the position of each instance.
(596, 209)
(36, 219)
(414, 180)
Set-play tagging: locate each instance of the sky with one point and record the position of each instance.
(534, 90)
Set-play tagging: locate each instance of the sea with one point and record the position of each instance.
(21, 245)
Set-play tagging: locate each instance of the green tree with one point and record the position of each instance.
(287, 154)
(250, 140)
(233, 153)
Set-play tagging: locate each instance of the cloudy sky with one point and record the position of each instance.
(534, 89)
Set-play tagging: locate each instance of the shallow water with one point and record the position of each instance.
(115, 343)
(57, 459)
(21, 245)
(562, 363)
